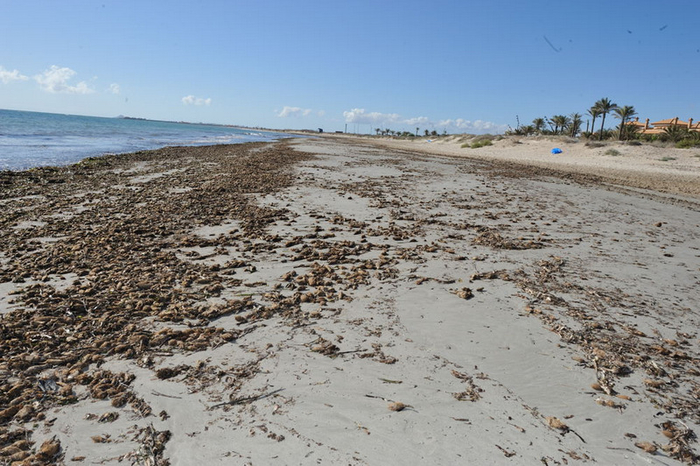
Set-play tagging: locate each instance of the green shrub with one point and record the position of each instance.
(667, 159)
(613, 152)
(484, 137)
(687, 144)
(482, 143)
(691, 140)
(676, 133)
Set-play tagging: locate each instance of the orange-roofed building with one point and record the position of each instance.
(638, 124)
(659, 127)
(671, 122)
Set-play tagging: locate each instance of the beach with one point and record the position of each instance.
(346, 300)
(657, 167)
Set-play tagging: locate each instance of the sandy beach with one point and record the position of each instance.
(657, 167)
(344, 300)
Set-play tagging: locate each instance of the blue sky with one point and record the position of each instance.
(460, 66)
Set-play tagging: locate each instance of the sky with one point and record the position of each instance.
(459, 66)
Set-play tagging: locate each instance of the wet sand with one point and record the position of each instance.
(325, 300)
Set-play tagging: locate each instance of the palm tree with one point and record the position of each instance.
(604, 106)
(538, 124)
(575, 124)
(624, 114)
(676, 133)
(595, 113)
(560, 122)
(549, 122)
(529, 129)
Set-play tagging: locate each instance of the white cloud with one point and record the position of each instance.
(420, 121)
(56, 81)
(477, 126)
(114, 88)
(7, 76)
(192, 100)
(377, 119)
(358, 115)
(294, 112)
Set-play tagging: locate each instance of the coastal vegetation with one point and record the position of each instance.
(405, 134)
(479, 141)
(627, 130)
(571, 126)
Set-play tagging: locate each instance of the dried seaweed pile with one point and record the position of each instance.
(92, 274)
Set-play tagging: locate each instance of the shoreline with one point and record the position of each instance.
(28, 143)
(326, 300)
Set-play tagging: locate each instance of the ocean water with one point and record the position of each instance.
(31, 139)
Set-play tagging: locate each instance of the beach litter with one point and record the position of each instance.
(556, 150)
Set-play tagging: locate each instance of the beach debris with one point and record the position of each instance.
(556, 150)
(507, 453)
(680, 437)
(654, 383)
(244, 399)
(378, 355)
(47, 385)
(390, 381)
(396, 406)
(493, 275)
(605, 381)
(558, 424)
(108, 417)
(362, 428)
(462, 419)
(491, 237)
(464, 293)
(610, 404)
(152, 445)
(18, 451)
(325, 347)
(472, 391)
(170, 372)
(49, 450)
(393, 405)
(101, 438)
(647, 447)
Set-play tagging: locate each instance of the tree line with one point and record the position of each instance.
(571, 125)
(404, 134)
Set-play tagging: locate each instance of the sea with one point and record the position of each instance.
(33, 139)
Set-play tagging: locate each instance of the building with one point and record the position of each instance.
(659, 127)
